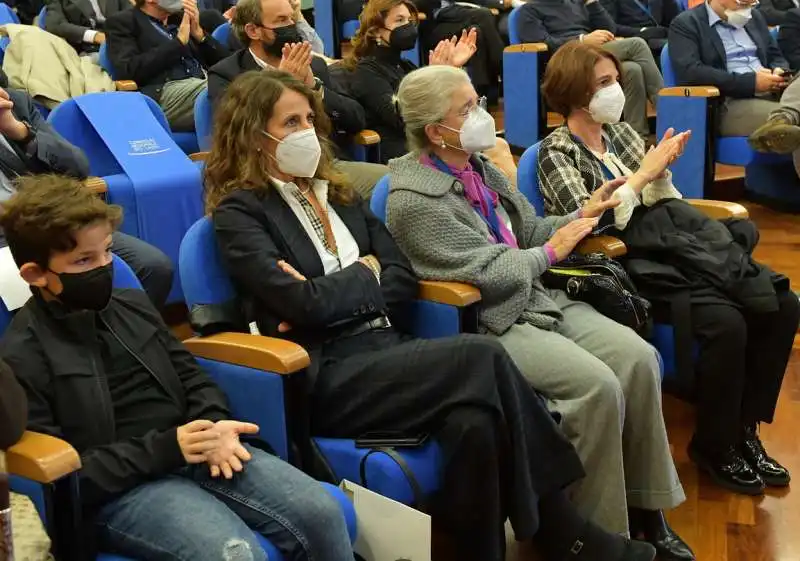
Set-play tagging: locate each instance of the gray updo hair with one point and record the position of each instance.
(424, 98)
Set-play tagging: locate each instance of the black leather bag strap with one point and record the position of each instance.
(416, 490)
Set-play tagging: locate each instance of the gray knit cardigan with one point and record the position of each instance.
(445, 239)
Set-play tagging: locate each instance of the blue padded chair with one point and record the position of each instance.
(203, 120)
(332, 32)
(663, 335)
(687, 108)
(208, 285)
(40, 19)
(523, 64)
(186, 140)
(222, 33)
(251, 399)
(7, 15)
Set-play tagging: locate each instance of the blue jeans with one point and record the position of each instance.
(188, 516)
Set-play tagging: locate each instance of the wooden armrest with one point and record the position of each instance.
(42, 458)
(526, 48)
(253, 351)
(450, 293)
(494, 11)
(126, 85)
(607, 245)
(689, 91)
(719, 209)
(97, 185)
(366, 137)
(199, 156)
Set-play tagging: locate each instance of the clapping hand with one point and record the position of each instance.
(455, 52)
(10, 126)
(229, 454)
(567, 237)
(296, 60)
(190, 9)
(658, 158)
(601, 200)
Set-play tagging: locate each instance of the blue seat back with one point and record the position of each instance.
(40, 19)
(105, 62)
(380, 195)
(206, 281)
(222, 33)
(7, 15)
(523, 107)
(513, 30)
(528, 178)
(670, 80)
(203, 120)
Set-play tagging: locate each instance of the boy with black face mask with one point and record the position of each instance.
(162, 463)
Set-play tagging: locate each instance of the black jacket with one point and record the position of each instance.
(556, 22)
(789, 38)
(70, 19)
(630, 16)
(139, 51)
(698, 56)
(57, 360)
(775, 10)
(13, 408)
(374, 83)
(673, 247)
(345, 113)
(257, 229)
(46, 152)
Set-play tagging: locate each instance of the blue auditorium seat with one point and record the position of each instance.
(210, 286)
(222, 33)
(186, 140)
(203, 120)
(523, 66)
(40, 19)
(244, 386)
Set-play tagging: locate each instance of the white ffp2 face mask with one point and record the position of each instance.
(478, 132)
(607, 103)
(298, 153)
(739, 18)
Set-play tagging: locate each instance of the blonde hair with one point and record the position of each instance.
(424, 97)
(236, 161)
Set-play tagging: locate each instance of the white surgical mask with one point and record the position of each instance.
(607, 103)
(477, 133)
(298, 153)
(739, 18)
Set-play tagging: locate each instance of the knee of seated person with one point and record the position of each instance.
(638, 43)
(237, 549)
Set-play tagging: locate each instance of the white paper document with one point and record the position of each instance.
(388, 530)
(13, 290)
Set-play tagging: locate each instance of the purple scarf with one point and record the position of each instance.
(477, 193)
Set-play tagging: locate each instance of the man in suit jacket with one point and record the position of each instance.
(161, 45)
(273, 41)
(648, 19)
(81, 22)
(775, 11)
(555, 22)
(29, 145)
(728, 45)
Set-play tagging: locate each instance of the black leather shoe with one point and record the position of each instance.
(656, 531)
(773, 474)
(728, 469)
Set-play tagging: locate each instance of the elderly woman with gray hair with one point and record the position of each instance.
(457, 219)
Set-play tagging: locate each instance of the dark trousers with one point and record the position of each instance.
(486, 65)
(150, 265)
(743, 357)
(502, 449)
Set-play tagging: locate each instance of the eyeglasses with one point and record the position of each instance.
(481, 103)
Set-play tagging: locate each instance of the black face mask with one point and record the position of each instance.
(283, 36)
(403, 38)
(90, 290)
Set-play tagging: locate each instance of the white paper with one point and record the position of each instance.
(388, 530)
(13, 290)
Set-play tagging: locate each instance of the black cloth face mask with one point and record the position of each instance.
(89, 290)
(283, 36)
(404, 38)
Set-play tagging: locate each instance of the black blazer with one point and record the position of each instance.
(138, 51)
(46, 152)
(346, 114)
(775, 10)
(69, 19)
(698, 56)
(631, 18)
(256, 229)
(789, 38)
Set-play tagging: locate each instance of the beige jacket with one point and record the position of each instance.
(48, 68)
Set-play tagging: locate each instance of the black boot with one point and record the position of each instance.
(653, 526)
(773, 473)
(728, 469)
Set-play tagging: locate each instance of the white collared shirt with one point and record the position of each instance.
(261, 63)
(345, 242)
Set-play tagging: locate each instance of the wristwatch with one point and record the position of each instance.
(317, 84)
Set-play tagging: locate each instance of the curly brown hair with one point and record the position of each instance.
(236, 160)
(46, 213)
(371, 19)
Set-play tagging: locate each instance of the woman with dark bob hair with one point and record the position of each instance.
(743, 353)
(313, 265)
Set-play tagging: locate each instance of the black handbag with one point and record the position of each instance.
(602, 283)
